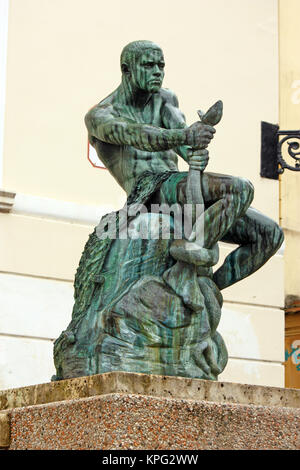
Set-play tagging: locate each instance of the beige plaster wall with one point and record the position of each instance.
(289, 36)
(63, 57)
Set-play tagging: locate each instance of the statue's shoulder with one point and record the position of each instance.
(168, 96)
(102, 110)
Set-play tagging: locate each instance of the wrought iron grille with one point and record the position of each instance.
(292, 140)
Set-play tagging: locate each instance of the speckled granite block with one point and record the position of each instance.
(139, 422)
(150, 419)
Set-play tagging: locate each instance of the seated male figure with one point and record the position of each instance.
(139, 128)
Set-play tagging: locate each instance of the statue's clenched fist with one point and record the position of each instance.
(198, 159)
(199, 135)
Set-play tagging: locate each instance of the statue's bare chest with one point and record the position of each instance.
(149, 114)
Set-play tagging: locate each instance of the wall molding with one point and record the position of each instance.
(48, 208)
(4, 7)
(280, 252)
(6, 201)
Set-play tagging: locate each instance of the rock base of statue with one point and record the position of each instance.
(135, 411)
(144, 303)
(158, 324)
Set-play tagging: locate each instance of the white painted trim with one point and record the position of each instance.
(47, 208)
(280, 252)
(59, 210)
(4, 5)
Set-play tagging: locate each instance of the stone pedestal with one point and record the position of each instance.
(121, 410)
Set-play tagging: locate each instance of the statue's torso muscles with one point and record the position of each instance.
(126, 163)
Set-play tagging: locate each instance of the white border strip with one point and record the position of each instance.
(48, 208)
(4, 5)
(72, 212)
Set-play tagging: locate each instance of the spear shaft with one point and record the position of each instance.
(194, 194)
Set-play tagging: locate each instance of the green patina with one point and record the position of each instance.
(154, 305)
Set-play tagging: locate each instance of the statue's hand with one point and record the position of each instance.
(199, 135)
(198, 160)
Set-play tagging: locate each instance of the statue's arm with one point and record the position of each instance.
(173, 118)
(103, 125)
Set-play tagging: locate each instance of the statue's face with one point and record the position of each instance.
(148, 72)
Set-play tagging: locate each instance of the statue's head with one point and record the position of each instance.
(142, 63)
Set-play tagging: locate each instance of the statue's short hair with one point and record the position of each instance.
(134, 49)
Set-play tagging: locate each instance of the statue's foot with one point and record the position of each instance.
(192, 253)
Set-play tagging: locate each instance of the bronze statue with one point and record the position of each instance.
(153, 305)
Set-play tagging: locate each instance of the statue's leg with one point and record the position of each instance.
(259, 238)
(226, 199)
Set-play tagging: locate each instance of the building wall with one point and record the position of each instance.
(62, 58)
(289, 118)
